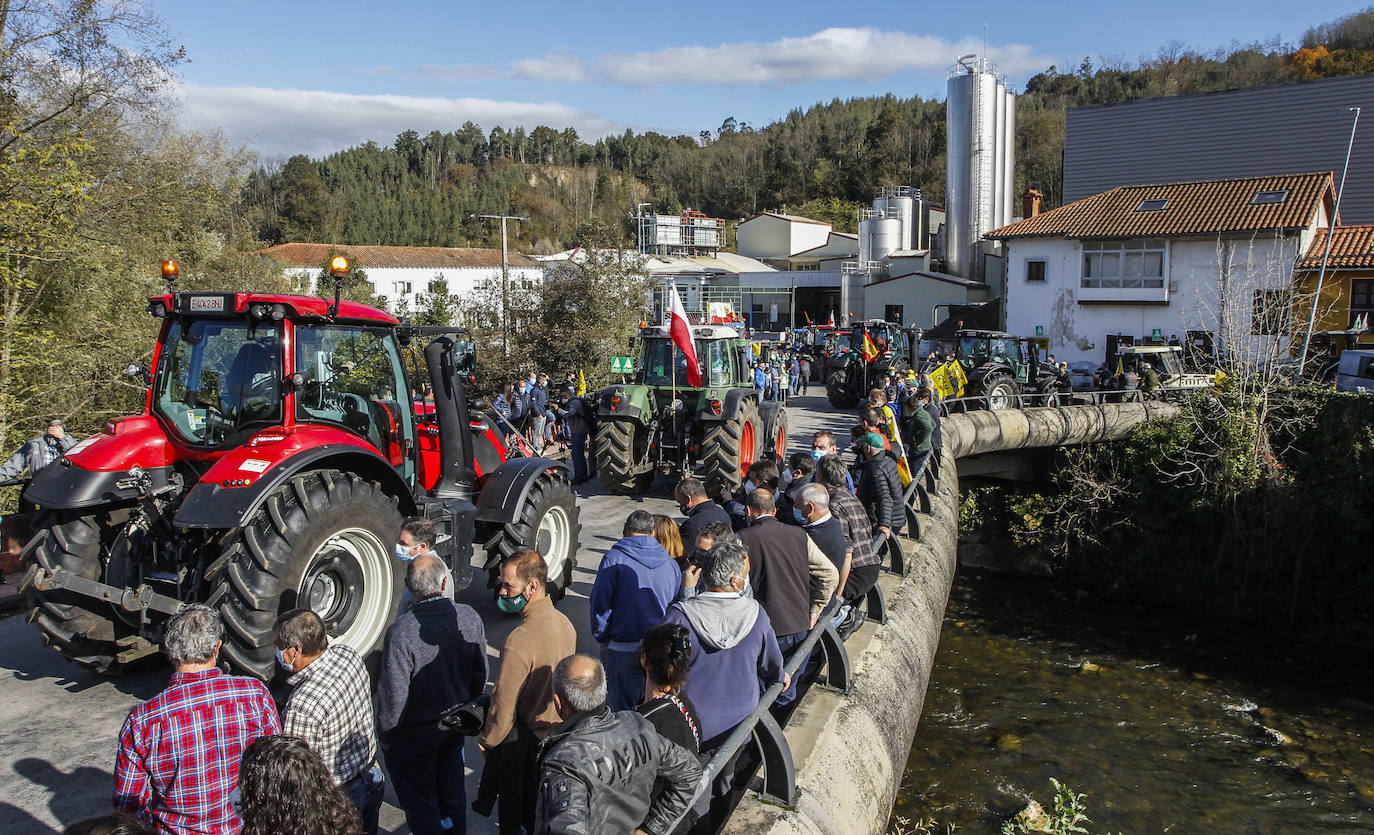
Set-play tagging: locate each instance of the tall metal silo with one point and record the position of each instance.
(900, 202)
(879, 236)
(980, 156)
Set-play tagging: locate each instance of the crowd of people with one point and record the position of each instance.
(785, 372)
(547, 418)
(695, 619)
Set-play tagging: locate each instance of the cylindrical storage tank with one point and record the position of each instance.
(999, 179)
(901, 208)
(865, 240)
(984, 166)
(886, 237)
(1009, 162)
(958, 147)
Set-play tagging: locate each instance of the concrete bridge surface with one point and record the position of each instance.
(850, 750)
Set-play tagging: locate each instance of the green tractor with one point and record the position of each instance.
(658, 422)
(851, 374)
(999, 366)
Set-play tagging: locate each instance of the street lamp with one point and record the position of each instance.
(1326, 254)
(505, 280)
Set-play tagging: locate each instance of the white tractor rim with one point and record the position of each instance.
(553, 539)
(353, 587)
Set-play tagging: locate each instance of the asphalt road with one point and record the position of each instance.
(59, 723)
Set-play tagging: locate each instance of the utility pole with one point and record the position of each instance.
(505, 281)
(1326, 253)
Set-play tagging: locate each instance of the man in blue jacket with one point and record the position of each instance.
(635, 584)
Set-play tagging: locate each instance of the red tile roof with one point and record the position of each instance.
(1352, 246)
(378, 257)
(1197, 208)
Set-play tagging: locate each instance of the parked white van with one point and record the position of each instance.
(1355, 372)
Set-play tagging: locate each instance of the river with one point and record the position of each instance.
(1166, 724)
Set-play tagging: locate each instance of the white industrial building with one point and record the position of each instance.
(1146, 263)
(403, 275)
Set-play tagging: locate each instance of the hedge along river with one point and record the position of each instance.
(1166, 724)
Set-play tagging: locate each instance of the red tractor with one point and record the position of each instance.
(276, 456)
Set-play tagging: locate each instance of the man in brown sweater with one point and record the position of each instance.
(522, 710)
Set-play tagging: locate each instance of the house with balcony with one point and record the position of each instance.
(1208, 261)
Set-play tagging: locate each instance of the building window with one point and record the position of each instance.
(1361, 299)
(892, 313)
(401, 287)
(1271, 312)
(1265, 198)
(1136, 264)
(1035, 270)
(1152, 205)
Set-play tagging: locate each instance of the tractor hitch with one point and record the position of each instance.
(130, 600)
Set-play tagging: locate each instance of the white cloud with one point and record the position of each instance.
(837, 53)
(462, 72)
(316, 122)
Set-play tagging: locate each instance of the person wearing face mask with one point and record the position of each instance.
(522, 711)
(416, 539)
(823, 443)
(800, 468)
(434, 657)
(329, 706)
(734, 654)
(697, 508)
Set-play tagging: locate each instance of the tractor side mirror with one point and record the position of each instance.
(481, 404)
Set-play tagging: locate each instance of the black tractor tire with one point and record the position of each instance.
(774, 417)
(1000, 391)
(323, 541)
(837, 391)
(80, 628)
(729, 447)
(620, 445)
(547, 523)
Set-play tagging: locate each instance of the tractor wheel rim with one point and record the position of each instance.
(782, 441)
(746, 448)
(348, 584)
(552, 540)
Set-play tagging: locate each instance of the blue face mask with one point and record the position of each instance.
(745, 592)
(403, 553)
(511, 605)
(281, 659)
(797, 514)
(817, 455)
(750, 486)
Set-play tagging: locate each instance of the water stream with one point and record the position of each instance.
(1167, 724)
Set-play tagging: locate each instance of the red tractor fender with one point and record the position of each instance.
(234, 489)
(504, 491)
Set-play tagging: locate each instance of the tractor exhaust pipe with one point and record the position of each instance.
(456, 474)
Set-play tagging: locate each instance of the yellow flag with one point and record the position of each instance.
(581, 384)
(1120, 369)
(939, 380)
(958, 379)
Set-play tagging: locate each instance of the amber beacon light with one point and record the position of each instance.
(338, 266)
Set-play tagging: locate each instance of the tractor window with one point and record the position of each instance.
(974, 349)
(1007, 351)
(662, 362)
(354, 378)
(216, 378)
(718, 371)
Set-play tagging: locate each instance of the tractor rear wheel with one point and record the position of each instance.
(620, 445)
(837, 391)
(76, 542)
(774, 417)
(548, 524)
(729, 448)
(323, 541)
(1001, 391)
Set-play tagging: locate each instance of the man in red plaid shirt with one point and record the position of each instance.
(179, 752)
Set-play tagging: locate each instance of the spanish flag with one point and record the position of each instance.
(870, 350)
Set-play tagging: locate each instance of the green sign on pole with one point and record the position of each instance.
(1039, 330)
(622, 365)
(1157, 335)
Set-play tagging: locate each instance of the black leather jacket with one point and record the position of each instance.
(880, 491)
(597, 771)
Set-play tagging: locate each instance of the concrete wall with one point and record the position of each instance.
(1190, 300)
(850, 750)
(770, 236)
(917, 295)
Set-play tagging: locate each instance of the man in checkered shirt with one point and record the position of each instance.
(864, 563)
(179, 752)
(330, 707)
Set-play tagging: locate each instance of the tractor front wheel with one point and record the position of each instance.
(837, 391)
(323, 541)
(1001, 391)
(729, 448)
(620, 446)
(547, 524)
(68, 623)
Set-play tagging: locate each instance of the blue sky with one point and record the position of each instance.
(300, 76)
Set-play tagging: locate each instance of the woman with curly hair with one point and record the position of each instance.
(666, 532)
(285, 787)
(665, 654)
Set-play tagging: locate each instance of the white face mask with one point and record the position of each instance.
(403, 553)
